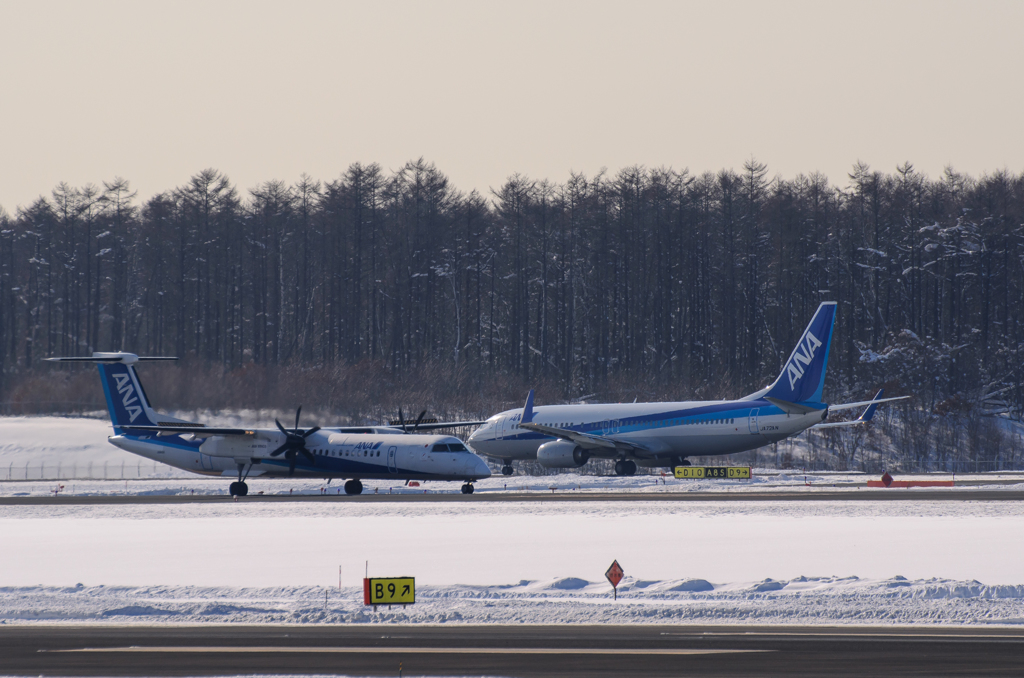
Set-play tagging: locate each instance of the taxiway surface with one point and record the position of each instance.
(530, 651)
(964, 494)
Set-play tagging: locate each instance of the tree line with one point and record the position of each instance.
(649, 282)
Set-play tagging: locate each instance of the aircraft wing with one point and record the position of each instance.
(447, 424)
(584, 440)
(197, 431)
(865, 417)
(587, 441)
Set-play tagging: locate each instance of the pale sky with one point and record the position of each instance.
(157, 91)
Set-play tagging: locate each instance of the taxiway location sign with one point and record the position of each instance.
(614, 575)
(389, 591)
(697, 472)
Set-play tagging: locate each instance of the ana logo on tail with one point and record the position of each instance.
(127, 390)
(802, 356)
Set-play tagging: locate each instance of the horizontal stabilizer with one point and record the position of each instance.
(101, 357)
(850, 406)
(864, 418)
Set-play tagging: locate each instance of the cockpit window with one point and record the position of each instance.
(440, 447)
(457, 447)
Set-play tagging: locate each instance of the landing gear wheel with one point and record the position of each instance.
(507, 470)
(238, 489)
(353, 487)
(467, 488)
(624, 467)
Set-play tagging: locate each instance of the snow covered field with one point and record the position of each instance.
(708, 562)
(800, 601)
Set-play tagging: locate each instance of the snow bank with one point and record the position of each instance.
(802, 600)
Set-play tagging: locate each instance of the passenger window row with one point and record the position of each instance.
(336, 453)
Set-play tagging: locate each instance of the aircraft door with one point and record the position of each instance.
(392, 465)
(499, 428)
(752, 421)
(206, 461)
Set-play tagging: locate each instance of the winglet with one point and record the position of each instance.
(870, 412)
(528, 408)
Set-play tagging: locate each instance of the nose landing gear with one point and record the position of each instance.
(507, 469)
(467, 488)
(625, 467)
(353, 487)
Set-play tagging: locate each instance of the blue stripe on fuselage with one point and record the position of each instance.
(644, 422)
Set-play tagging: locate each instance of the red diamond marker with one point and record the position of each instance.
(615, 575)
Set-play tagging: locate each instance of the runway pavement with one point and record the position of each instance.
(810, 494)
(527, 651)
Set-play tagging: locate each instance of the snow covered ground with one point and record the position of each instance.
(803, 601)
(708, 562)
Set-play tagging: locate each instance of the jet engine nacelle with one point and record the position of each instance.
(562, 454)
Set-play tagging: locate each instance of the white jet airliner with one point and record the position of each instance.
(665, 434)
(379, 453)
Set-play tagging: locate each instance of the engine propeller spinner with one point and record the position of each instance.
(295, 443)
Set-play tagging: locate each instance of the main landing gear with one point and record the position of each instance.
(507, 469)
(467, 488)
(239, 488)
(625, 467)
(353, 487)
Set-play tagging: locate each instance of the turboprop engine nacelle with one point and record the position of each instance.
(562, 454)
(236, 446)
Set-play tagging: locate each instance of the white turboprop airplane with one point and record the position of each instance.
(379, 453)
(665, 434)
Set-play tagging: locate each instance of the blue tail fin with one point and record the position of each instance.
(126, 401)
(803, 377)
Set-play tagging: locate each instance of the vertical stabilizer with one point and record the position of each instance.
(803, 376)
(126, 401)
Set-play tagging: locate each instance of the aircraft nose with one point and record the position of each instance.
(478, 469)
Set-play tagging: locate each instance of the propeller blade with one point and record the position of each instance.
(308, 455)
(291, 463)
(401, 420)
(283, 429)
(297, 413)
(418, 420)
(310, 431)
(279, 450)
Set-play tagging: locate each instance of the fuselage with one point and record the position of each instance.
(336, 455)
(664, 431)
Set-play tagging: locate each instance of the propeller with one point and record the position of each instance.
(295, 443)
(401, 420)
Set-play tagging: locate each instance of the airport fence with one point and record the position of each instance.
(88, 471)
